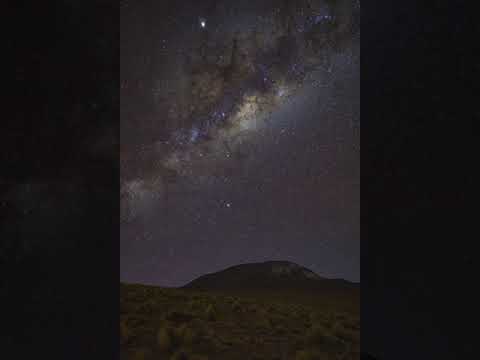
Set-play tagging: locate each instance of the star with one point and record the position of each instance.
(236, 121)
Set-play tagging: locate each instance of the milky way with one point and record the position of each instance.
(219, 105)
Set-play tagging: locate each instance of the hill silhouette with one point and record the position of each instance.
(268, 275)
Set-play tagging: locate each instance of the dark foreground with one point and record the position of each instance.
(161, 323)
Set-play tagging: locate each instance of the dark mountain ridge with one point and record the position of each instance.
(268, 275)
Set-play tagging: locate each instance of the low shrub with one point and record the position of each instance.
(124, 332)
(180, 355)
(210, 313)
(319, 336)
(309, 355)
(164, 339)
(139, 354)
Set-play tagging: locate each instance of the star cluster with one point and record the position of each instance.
(238, 129)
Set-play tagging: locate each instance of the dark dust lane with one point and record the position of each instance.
(239, 136)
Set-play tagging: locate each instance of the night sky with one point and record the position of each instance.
(239, 137)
